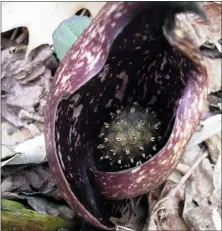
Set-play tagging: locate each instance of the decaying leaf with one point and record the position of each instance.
(203, 32)
(28, 180)
(214, 70)
(208, 128)
(12, 136)
(133, 215)
(26, 85)
(214, 147)
(26, 14)
(7, 57)
(31, 151)
(166, 214)
(42, 205)
(217, 180)
(199, 199)
(24, 96)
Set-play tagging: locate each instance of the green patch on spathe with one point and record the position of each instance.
(67, 33)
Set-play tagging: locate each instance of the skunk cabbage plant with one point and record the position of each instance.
(125, 101)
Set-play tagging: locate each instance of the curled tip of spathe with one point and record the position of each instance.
(195, 7)
(181, 7)
(188, 7)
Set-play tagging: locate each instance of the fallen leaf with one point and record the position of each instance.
(7, 57)
(217, 220)
(214, 70)
(132, 214)
(11, 115)
(209, 127)
(30, 180)
(199, 199)
(31, 151)
(12, 136)
(42, 205)
(197, 217)
(200, 30)
(214, 147)
(24, 96)
(19, 96)
(206, 31)
(166, 213)
(217, 180)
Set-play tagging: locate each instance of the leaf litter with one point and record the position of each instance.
(191, 197)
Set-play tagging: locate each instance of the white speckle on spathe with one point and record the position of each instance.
(76, 98)
(104, 73)
(120, 93)
(65, 195)
(61, 73)
(118, 15)
(89, 57)
(93, 34)
(65, 78)
(80, 64)
(176, 148)
(91, 101)
(111, 9)
(109, 103)
(177, 133)
(163, 162)
(169, 146)
(144, 38)
(135, 169)
(113, 24)
(139, 179)
(164, 62)
(77, 110)
(68, 157)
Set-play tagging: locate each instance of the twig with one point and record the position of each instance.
(14, 33)
(179, 185)
(27, 115)
(121, 228)
(182, 168)
(22, 37)
(189, 172)
(83, 12)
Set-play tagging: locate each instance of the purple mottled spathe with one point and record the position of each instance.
(122, 57)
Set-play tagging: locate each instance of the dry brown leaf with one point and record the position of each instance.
(201, 32)
(19, 96)
(166, 213)
(199, 201)
(214, 70)
(196, 216)
(217, 180)
(42, 205)
(27, 181)
(208, 128)
(31, 151)
(214, 147)
(133, 215)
